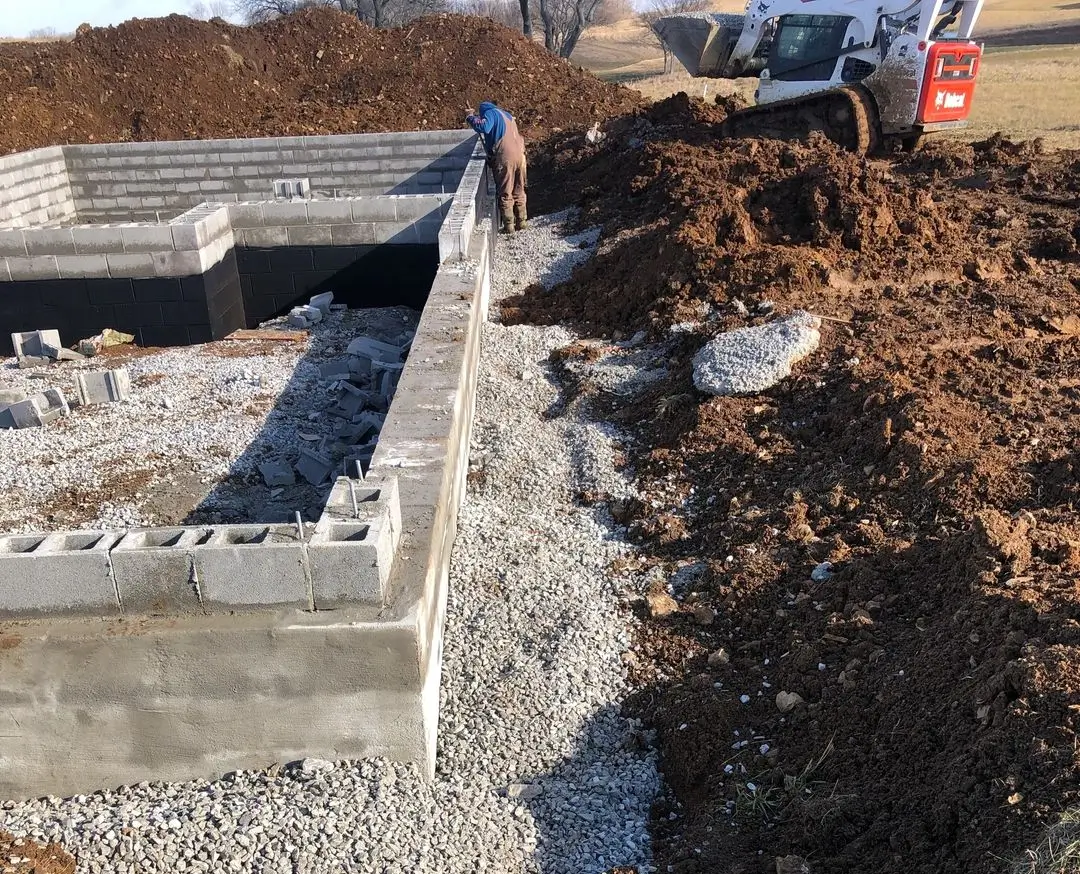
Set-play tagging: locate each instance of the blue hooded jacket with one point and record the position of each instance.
(490, 124)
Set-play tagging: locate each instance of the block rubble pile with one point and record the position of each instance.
(365, 382)
(36, 348)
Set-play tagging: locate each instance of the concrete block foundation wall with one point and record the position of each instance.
(119, 181)
(84, 277)
(166, 654)
(34, 191)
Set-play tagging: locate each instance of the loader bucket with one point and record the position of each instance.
(702, 42)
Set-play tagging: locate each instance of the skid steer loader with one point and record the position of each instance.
(869, 74)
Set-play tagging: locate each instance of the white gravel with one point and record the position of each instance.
(198, 422)
(538, 771)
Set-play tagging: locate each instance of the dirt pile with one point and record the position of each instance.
(315, 72)
(891, 535)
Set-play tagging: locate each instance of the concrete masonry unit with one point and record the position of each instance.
(172, 653)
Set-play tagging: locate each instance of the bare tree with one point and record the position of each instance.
(564, 22)
(505, 12)
(204, 10)
(42, 33)
(378, 13)
(658, 9)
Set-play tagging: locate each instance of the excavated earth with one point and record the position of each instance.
(928, 450)
(316, 72)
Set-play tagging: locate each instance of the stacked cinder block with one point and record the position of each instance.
(152, 180)
(345, 558)
(34, 192)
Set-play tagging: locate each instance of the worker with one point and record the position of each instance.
(506, 156)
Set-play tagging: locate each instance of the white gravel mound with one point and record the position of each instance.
(750, 360)
(537, 770)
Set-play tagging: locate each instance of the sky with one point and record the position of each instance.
(19, 17)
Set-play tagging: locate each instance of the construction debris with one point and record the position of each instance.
(103, 386)
(35, 411)
(277, 473)
(91, 346)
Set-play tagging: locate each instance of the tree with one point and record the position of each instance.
(378, 13)
(658, 9)
(564, 21)
(204, 10)
(506, 12)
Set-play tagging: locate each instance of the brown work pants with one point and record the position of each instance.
(510, 179)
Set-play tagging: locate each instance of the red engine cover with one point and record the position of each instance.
(949, 84)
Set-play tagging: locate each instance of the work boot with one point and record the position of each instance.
(521, 219)
(507, 226)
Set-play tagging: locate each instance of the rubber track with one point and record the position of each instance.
(797, 118)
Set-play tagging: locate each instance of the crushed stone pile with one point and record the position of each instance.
(315, 72)
(749, 360)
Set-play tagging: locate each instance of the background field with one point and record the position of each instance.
(1029, 84)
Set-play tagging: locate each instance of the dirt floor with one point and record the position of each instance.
(928, 451)
(316, 72)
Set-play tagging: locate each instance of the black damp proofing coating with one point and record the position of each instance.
(245, 288)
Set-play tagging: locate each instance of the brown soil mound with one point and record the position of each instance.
(23, 856)
(315, 72)
(929, 451)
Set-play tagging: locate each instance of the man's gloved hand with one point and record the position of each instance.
(472, 120)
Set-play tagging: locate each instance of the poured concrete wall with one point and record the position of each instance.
(34, 190)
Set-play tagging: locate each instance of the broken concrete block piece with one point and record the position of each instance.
(36, 344)
(374, 349)
(322, 301)
(69, 355)
(314, 466)
(304, 316)
(360, 365)
(277, 473)
(28, 361)
(338, 369)
(35, 411)
(103, 386)
(749, 360)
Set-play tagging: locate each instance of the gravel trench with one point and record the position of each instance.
(538, 771)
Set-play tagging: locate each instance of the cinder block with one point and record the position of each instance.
(351, 562)
(130, 266)
(154, 570)
(356, 234)
(12, 243)
(97, 241)
(330, 212)
(83, 266)
(397, 233)
(310, 235)
(253, 565)
(147, 239)
(168, 264)
(62, 573)
(264, 238)
(375, 209)
(102, 386)
(245, 215)
(284, 214)
(184, 237)
(41, 267)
